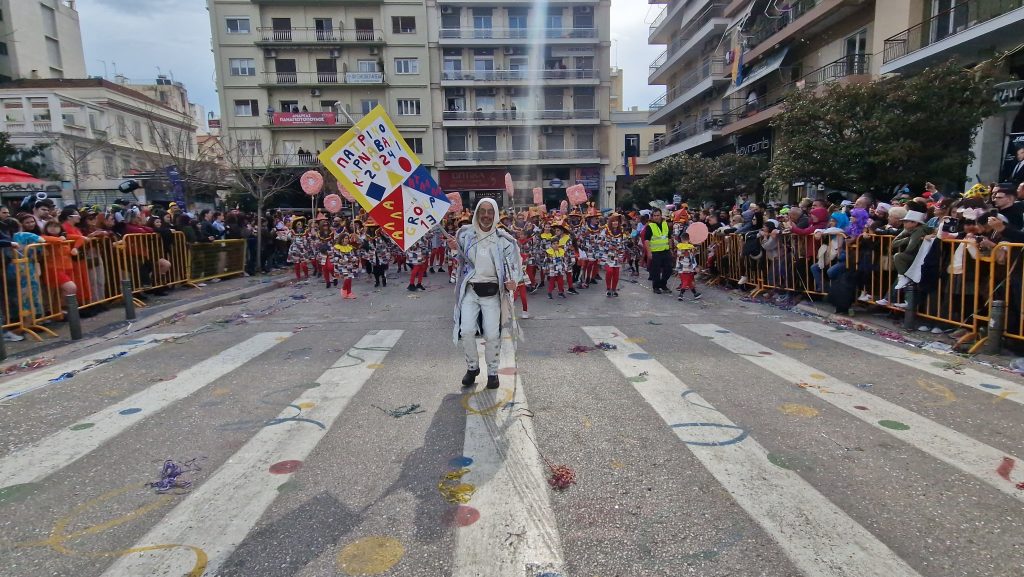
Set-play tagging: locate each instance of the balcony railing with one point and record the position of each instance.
(364, 77)
(692, 127)
(770, 26)
(304, 78)
(709, 67)
(660, 18)
(502, 155)
(518, 75)
(318, 36)
(505, 115)
(295, 159)
(959, 18)
(687, 33)
(515, 33)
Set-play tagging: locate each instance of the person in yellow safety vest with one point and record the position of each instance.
(655, 237)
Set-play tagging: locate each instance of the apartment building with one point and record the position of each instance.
(628, 139)
(914, 34)
(40, 39)
(728, 65)
(523, 90)
(99, 133)
(293, 75)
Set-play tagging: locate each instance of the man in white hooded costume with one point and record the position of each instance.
(489, 268)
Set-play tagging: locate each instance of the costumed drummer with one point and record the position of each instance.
(488, 264)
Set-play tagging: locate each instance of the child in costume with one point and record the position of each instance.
(378, 253)
(346, 265)
(614, 252)
(326, 262)
(299, 252)
(686, 267)
(557, 265)
(588, 235)
(417, 257)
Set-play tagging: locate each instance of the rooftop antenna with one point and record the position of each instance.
(104, 62)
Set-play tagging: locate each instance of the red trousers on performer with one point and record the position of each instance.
(520, 294)
(303, 267)
(686, 281)
(531, 273)
(611, 278)
(417, 274)
(328, 270)
(560, 279)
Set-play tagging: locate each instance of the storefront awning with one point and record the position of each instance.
(770, 64)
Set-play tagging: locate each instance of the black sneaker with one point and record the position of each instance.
(534, 289)
(431, 269)
(573, 291)
(419, 286)
(492, 381)
(696, 296)
(550, 296)
(561, 295)
(335, 282)
(609, 294)
(680, 297)
(470, 379)
(439, 270)
(657, 291)
(411, 287)
(615, 293)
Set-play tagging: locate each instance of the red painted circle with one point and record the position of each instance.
(507, 371)
(464, 516)
(405, 163)
(285, 467)
(860, 407)
(764, 353)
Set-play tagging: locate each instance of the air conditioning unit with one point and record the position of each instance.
(447, 10)
(373, 51)
(509, 51)
(548, 130)
(335, 53)
(314, 92)
(269, 53)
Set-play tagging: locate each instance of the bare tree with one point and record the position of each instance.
(75, 153)
(254, 173)
(172, 142)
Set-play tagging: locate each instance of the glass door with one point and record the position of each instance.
(856, 48)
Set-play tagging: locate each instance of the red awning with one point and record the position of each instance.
(8, 174)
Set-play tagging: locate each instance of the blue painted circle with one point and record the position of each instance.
(130, 411)
(693, 392)
(723, 331)
(640, 356)
(742, 434)
(134, 342)
(460, 462)
(990, 386)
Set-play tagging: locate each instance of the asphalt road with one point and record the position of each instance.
(717, 438)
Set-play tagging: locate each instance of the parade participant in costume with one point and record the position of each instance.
(436, 245)
(686, 267)
(614, 245)
(300, 251)
(417, 257)
(680, 220)
(574, 220)
(523, 239)
(568, 244)
(323, 236)
(378, 252)
(326, 262)
(589, 235)
(489, 263)
(556, 259)
(347, 263)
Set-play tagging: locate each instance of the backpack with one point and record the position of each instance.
(752, 246)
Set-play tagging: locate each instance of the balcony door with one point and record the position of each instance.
(324, 29)
(282, 29)
(326, 70)
(948, 18)
(286, 73)
(856, 48)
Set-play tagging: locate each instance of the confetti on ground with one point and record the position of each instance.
(400, 412)
(602, 346)
(865, 385)
(92, 365)
(27, 365)
(561, 477)
(452, 490)
(170, 473)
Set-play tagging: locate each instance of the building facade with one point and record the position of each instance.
(628, 140)
(40, 39)
(522, 90)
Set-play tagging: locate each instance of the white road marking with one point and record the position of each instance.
(220, 512)
(1009, 390)
(40, 378)
(820, 539)
(516, 534)
(945, 444)
(36, 461)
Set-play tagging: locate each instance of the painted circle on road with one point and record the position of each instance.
(640, 356)
(19, 492)
(506, 396)
(460, 462)
(130, 411)
(894, 425)
(285, 467)
(817, 376)
(990, 386)
(798, 410)
(82, 426)
(705, 429)
(636, 340)
(860, 407)
(780, 461)
(722, 331)
(288, 486)
(795, 346)
(464, 516)
(370, 556)
(305, 405)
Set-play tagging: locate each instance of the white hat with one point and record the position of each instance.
(883, 206)
(915, 216)
(846, 203)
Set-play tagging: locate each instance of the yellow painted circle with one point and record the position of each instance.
(636, 340)
(817, 376)
(374, 366)
(799, 410)
(305, 405)
(491, 410)
(220, 392)
(370, 556)
(795, 346)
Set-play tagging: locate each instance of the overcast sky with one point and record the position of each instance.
(141, 38)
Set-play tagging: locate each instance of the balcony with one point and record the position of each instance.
(685, 136)
(710, 72)
(556, 76)
(305, 160)
(968, 28)
(277, 37)
(518, 116)
(710, 21)
(523, 157)
(805, 18)
(313, 79)
(516, 34)
(307, 120)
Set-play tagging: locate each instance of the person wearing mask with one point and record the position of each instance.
(655, 237)
(488, 263)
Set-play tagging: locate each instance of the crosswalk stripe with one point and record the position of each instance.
(1000, 387)
(44, 377)
(222, 510)
(36, 461)
(511, 489)
(960, 451)
(820, 539)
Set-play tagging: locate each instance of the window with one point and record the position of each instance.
(289, 106)
(152, 134)
(487, 139)
(366, 66)
(3, 49)
(247, 108)
(407, 65)
(122, 127)
(408, 106)
(403, 24)
(554, 20)
(367, 105)
(53, 53)
(482, 22)
(238, 25)
(250, 147)
(486, 100)
(416, 144)
(109, 168)
(327, 105)
(126, 165)
(458, 140)
(242, 66)
(137, 130)
(517, 23)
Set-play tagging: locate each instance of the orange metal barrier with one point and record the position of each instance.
(151, 261)
(217, 259)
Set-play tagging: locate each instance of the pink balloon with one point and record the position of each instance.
(538, 195)
(312, 182)
(332, 203)
(456, 202)
(698, 232)
(348, 195)
(564, 207)
(577, 194)
(509, 188)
